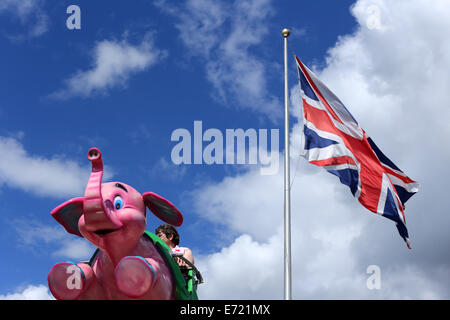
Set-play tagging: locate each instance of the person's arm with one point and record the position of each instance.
(188, 255)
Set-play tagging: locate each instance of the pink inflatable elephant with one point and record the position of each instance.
(128, 264)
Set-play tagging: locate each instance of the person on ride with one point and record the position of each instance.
(170, 236)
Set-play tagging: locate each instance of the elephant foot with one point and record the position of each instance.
(66, 281)
(134, 276)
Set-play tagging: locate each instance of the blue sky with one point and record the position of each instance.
(137, 71)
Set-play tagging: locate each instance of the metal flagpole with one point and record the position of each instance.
(287, 191)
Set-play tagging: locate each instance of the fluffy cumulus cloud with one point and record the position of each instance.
(55, 176)
(114, 62)
(239, 77)
(31, 292)
(29, 13)
(392, 75)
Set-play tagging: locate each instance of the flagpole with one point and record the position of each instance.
(287, 191)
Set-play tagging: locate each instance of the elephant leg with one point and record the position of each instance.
(135, 276)
(69, 281)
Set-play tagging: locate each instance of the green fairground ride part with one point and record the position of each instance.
(182, 291)
(194, 277)
(191, 283)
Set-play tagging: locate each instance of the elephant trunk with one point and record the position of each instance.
(97, 215)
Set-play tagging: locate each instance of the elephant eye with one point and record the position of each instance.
(118, 202)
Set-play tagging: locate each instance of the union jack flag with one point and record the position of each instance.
(332, 139)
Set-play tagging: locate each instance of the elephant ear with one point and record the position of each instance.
(68, 214)
(163, 209)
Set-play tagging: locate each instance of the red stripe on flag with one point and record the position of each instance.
(405, 179)
(316, 91)
(320, 118)
(334, 161)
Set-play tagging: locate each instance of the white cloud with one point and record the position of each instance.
(248, 269)
(39, 292)
(243, 211)
(32, 235)
(396, 69)
(77, 249)
(394, 80)
(223, 34)
(114, 62)
(54, 177)
(244, 270)
(252, 205)
(327, 260)
(30, 13)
